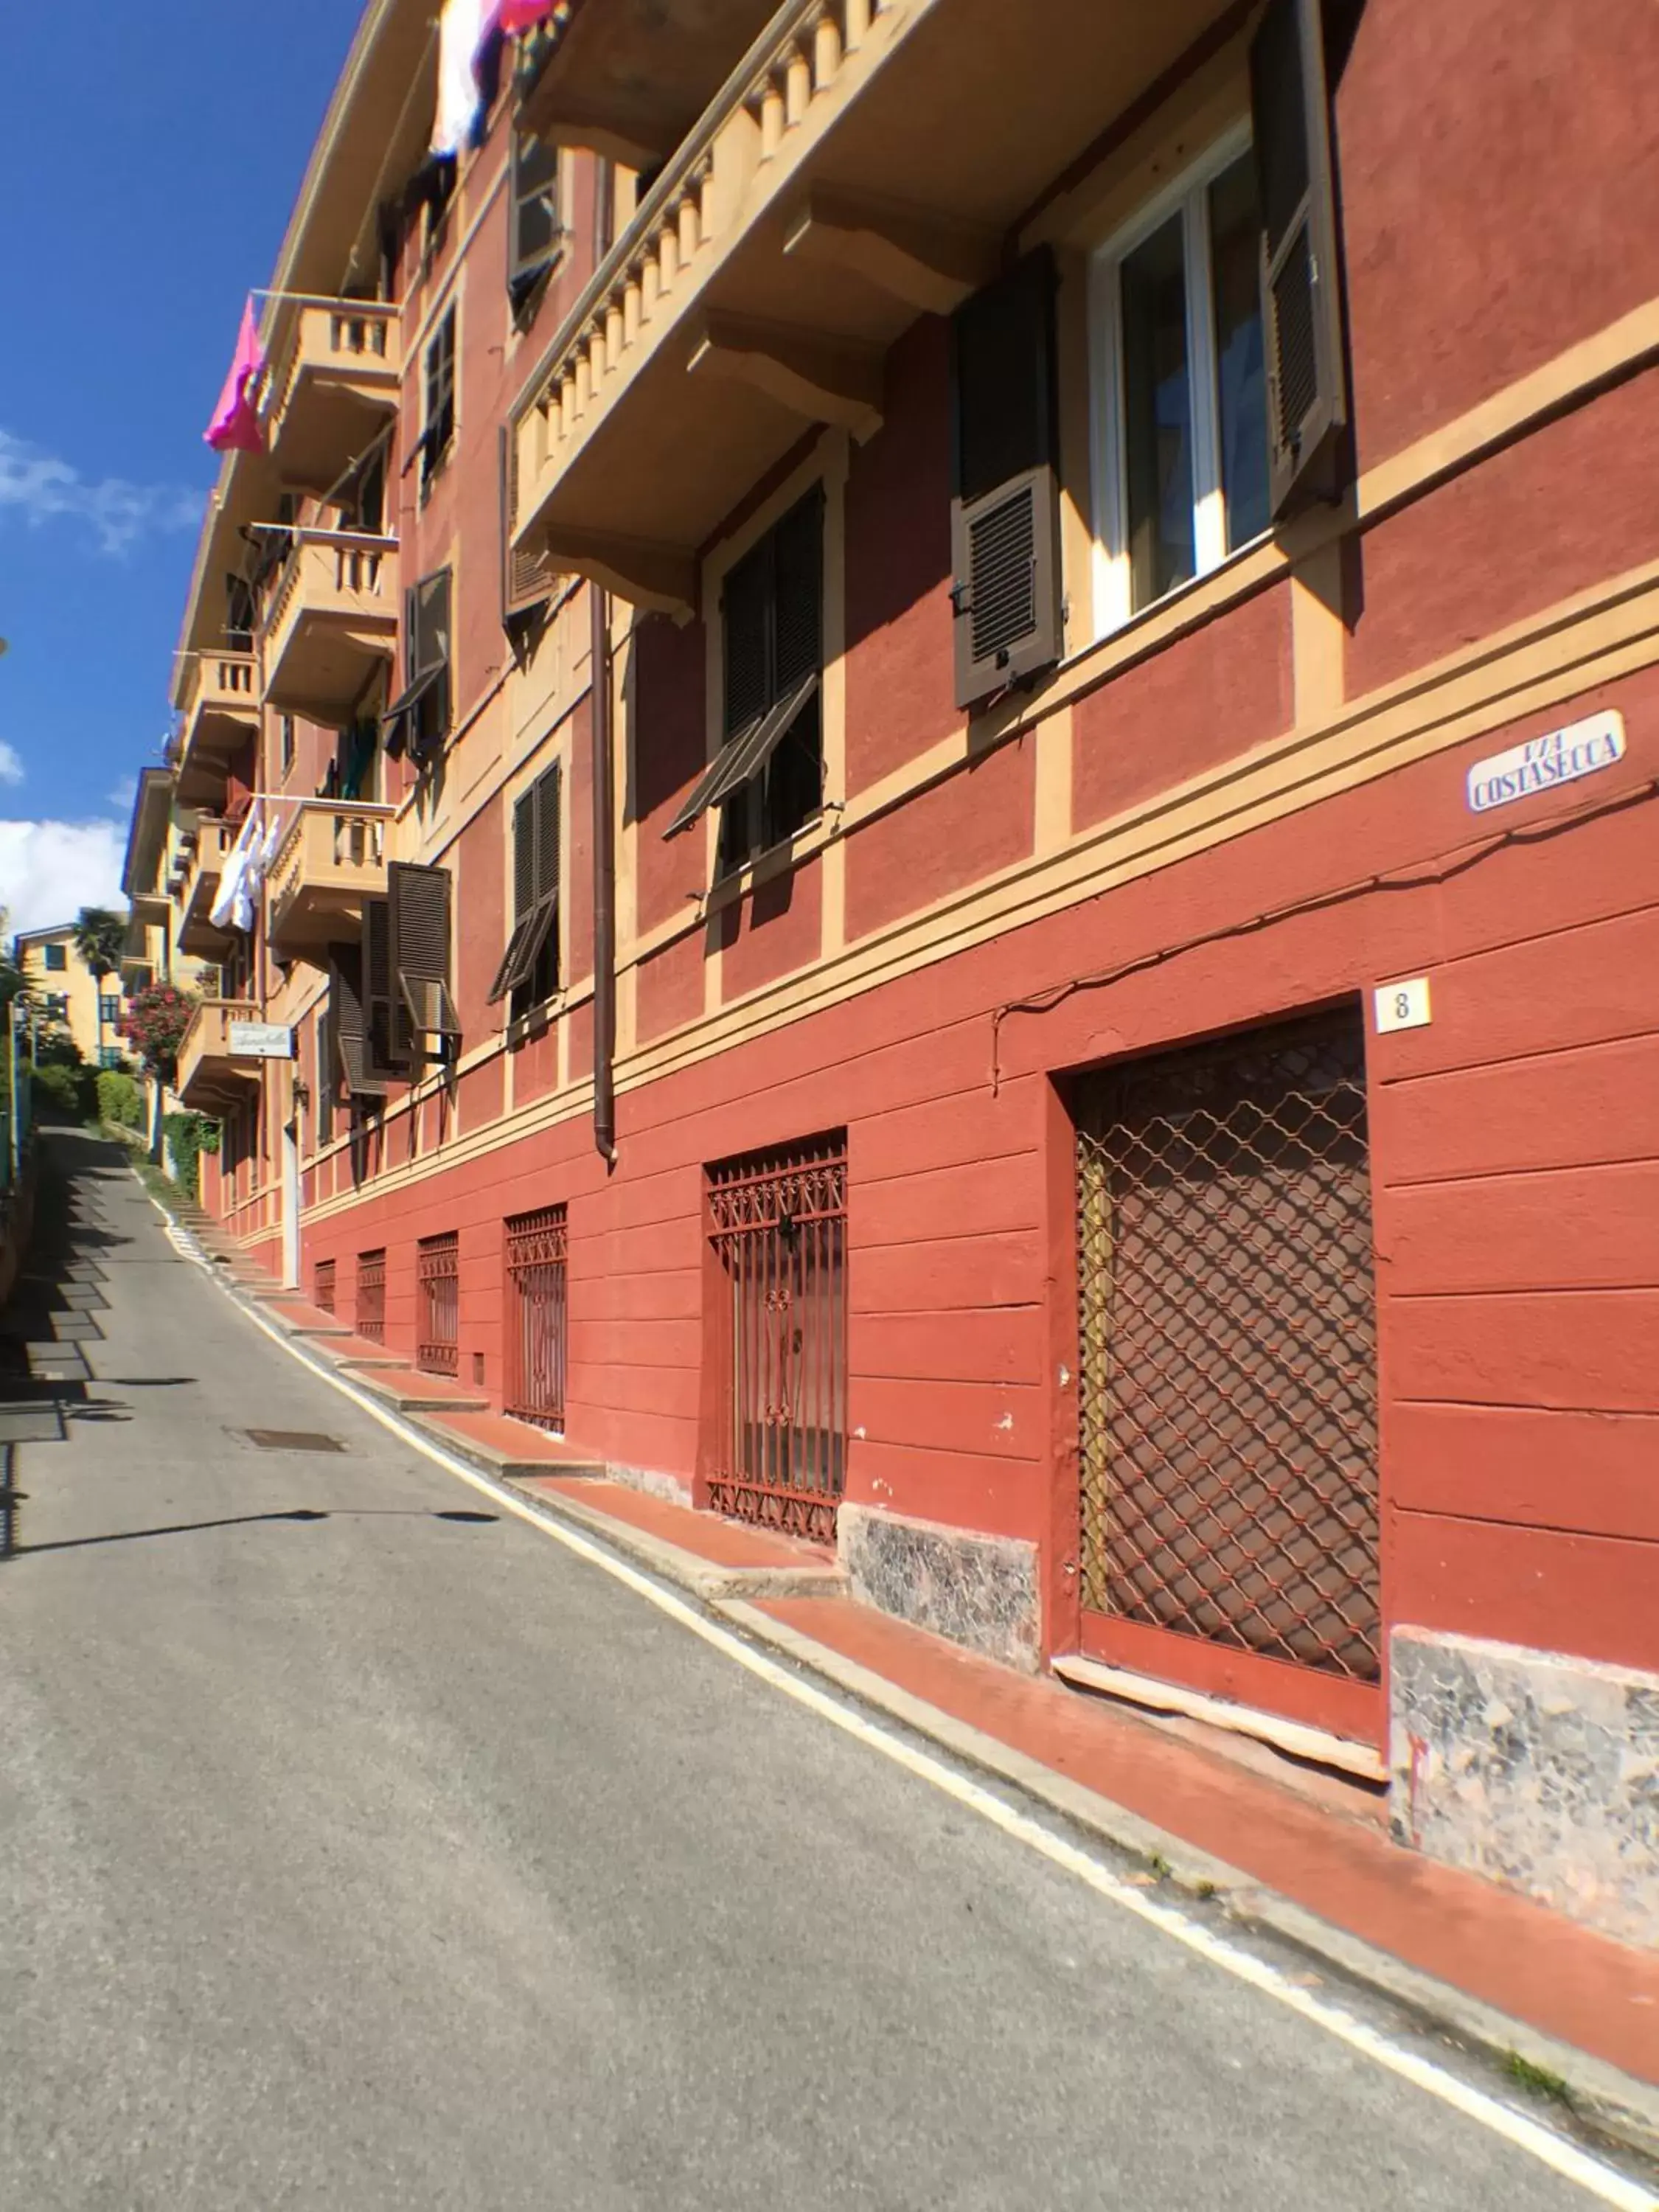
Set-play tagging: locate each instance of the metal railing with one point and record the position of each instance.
(537, 1309)
(1228, 1384)
(326, 1281)
(778, 1223)
(368, 1318)
(438, 1274)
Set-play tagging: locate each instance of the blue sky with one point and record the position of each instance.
(152, 156)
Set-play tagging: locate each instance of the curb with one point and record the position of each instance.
(1605, 2101)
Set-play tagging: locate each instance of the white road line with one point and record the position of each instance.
(1600, 2181)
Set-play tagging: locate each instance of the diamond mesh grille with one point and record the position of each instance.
(1226, 1310)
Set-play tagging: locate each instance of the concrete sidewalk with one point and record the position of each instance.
(1236, 1831)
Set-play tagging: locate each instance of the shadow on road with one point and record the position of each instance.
(11, 1499)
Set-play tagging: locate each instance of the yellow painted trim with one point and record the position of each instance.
(1318, 636)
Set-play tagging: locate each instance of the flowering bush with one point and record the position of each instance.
(154, 1021)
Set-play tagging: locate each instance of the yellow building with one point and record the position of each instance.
(58, 981)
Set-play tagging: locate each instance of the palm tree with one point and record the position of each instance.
(100, 937)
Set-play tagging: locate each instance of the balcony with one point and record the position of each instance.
(630, 78)
(209, 1079)
(204, 864)
(865, 162)
(221, 713)
(331, 389)
(332, 858)
(331, 624)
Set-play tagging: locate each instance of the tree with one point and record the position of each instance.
(100, 939)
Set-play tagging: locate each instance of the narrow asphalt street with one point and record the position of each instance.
(364, 1848)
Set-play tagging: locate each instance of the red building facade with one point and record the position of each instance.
(1125, 937)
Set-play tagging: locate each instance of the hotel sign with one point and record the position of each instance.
(260, 1041)
(1582, 749)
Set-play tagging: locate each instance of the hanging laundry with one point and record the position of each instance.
(235, 424)
(461, 30)
(233, 907)
(524, 15)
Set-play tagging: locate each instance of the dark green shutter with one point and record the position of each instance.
(746, 608)
(1301, 293)
(526, 573)
(350, 1072)
(418, 901)
(1005, 512)
(385, 1025)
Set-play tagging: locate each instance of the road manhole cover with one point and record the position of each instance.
(308, 1440)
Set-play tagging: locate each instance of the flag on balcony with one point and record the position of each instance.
(525, 14)
(235, 424)
(464, 28)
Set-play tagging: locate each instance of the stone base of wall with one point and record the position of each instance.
(1536, 1769)
(668, 1487)
(980, 1591)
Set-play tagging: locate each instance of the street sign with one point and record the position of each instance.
(260, 1041)
(1562, 756)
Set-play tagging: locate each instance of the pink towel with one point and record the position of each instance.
(235, 424)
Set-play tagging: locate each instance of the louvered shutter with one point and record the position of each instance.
(385, 1025)
(418, 900)
(1005, 516)
(798, 596)
(350, 1072)
(1301, 302)
(526, 573)
(746, 608)
(535, 215)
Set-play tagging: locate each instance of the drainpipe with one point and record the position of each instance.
(605, 885)
(604, 853)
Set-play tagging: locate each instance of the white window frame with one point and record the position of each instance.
(1186, 196)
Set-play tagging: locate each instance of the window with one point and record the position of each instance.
(1181, 386)
(56, 957)
(439, 386)
(768, 778)
(1220, 400)
(109, 1055)
(288, 745)
(109, 1007)
(417, 720)
(529, 974)
(533, 208)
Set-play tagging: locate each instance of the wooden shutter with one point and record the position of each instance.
(798, 597)
(1301, 302)
(526, 571)
(1005, 516)
(746, 609)
(431, 649)
(385, 1025)
(418, 902)
(530, 966)
(534, 245)
(350, 1072)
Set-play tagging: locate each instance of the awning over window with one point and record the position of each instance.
(743, 755)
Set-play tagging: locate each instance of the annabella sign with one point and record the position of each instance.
(1562, 756)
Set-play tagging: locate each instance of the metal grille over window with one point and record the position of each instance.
(438, 1269)
(1228, 1348)
(536, 1314)
(326, 1283)
(779, 1225)
(370, 1316)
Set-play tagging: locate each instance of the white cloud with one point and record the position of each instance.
(50, 870)
(40, 488)
(11, 766)
(124, 793)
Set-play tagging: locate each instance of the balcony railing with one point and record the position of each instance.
(221, 713)
(332, 616)
(203, 865)
(332, 857)
(865, 163)
(331, 388)
(209, 1078)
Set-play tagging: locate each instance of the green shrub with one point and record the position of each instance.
(71, 1090)
(120, 1099)
(189, 1135)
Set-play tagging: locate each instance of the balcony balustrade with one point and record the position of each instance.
(332, 857)
(331, 389)
(330, 623)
